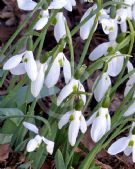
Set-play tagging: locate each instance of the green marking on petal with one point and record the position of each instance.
(71, 118)
(131, 143)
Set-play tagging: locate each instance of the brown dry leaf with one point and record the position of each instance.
(6, 32)
(4, 152)
(89, 144)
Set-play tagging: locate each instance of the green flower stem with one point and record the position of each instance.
(69, 39)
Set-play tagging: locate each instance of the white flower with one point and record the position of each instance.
(27, 5)
(73, 85)
(37, 84)
(43, 20)
(58, 4)
(59, 28)
(101, 123)
(54, 72)
(113, 35)
(37, 140)
(103, 48)
(101, 86)
(115, 65)
(22, 63)
(121, 15)
(86, 28)
(126, 144)
(107, 25)
(77, 122)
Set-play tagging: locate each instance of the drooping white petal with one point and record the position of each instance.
(32, 145)
(83, 124)
(114, 33)
(66, 91)
(31, 127)
(26, 5)
(53, 74)
(74, 128)
(49, 145)
(133, 153)
(99, 51)
(101, 85)
(41, 23)
(128, 151)
(30, 65)
(64, 119)
(13, 62)
(57, 4)
(37, 85)
(69, 5)
(98, 128)
(59, 28)
(118, 146)
(124, 26)
(91, 119)
(108, 121)
(66, 70)
(130, 110)
(18, 70)
(115, 65)
(107, 25)
(121, 15)
(129, 66)
(86, 28)
(83, 96)
(129, 85)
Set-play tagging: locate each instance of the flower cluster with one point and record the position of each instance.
(48, 72)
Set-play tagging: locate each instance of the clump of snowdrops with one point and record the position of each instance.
(39, 71)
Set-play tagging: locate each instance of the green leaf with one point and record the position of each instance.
(11, 112)
(59, 161)
(20, 97)
(5, 138)
(9, 127)
(1, 72)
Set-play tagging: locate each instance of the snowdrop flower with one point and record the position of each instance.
(86, 28)
(58, 4)
(59, 28)
(101, 86)
(54, 72)
(101, 123)
(76, 122)
(107, 25)
(22, 63)
(27, 5)
(125, 144)
(37, 84)
(43, 20)
(103, 48)
(115, 65)
(37, 140)
(73, 86)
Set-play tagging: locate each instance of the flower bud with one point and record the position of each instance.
(79, 105)
(113, 12)
(30, 44)
(80, 71)
(106, 102)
